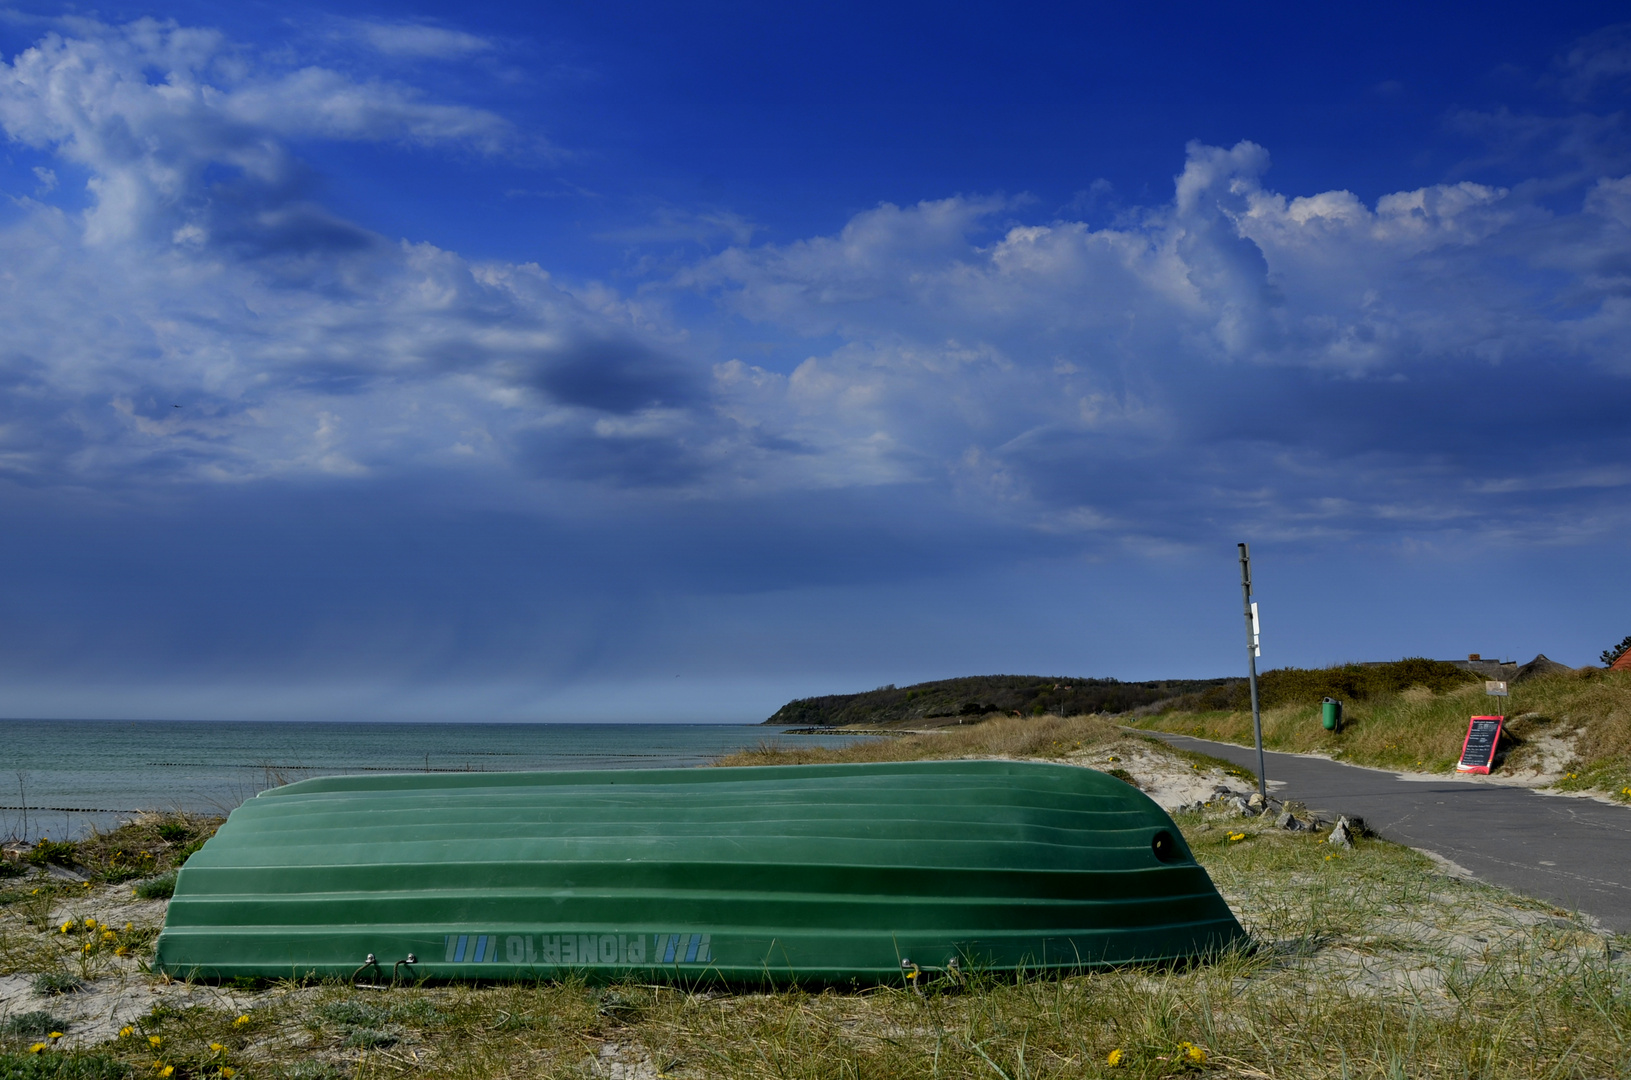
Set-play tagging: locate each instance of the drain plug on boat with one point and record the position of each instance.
(1165, 847)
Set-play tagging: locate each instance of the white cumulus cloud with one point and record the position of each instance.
(1231, 356)
(1309, 361)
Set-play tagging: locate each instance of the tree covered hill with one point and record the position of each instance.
(949, 700)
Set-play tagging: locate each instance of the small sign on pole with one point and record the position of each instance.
(1495, 688)
(1253, 651)
(1478, 748)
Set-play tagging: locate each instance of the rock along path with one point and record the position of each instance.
(1573, 852)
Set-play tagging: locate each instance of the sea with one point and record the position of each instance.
(61, 778)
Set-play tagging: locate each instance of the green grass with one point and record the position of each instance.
(49, 937)
(999, 736)
(159, 888)
(151, 845)
(56, 982)
(37, 1024)
(52, 851)
(1420, 729)
(1368, 963)
(59, 1066)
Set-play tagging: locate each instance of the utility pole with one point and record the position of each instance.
(1251, 661)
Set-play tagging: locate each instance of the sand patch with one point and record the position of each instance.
(114, 990)
(1166, 775)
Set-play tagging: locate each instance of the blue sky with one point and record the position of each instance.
(653, 362)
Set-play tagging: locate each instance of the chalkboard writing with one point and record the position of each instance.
(1478, 751)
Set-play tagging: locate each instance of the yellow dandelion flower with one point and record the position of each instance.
(167, 1070)
(130, 926)
(126, 1032)
(67, 927)
(54, 1035)
(1234, 836)
(109, 935)
(87, 884)
(89, 946)
(228, 1071)
(1114, 1060)
(154, 1041)
(242, 1020)
(37, 1048)
(90, 924)
(121, 951)
(217, 1047)
(1193, 1053)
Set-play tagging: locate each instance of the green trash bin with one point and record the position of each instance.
(1331, 714)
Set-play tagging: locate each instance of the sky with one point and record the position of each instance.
(643, 362)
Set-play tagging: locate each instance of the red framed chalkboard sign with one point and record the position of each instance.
(1478, 748)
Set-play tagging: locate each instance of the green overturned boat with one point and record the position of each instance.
(815, 874)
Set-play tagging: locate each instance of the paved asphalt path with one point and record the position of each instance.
(1573, 852)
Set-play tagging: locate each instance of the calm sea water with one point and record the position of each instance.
(66, 775)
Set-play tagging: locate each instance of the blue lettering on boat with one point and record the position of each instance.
(572, 950)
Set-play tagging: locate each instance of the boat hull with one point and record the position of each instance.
(814, 874)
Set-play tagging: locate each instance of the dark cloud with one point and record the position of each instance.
(615, 375)
(1463, 445)
(288, 229)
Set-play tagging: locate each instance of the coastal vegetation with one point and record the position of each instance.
(1349, 682)
(951, 701)
(1369, 962)
(1571, 729)
(148, 846)
(1081, 740)
(999, 736)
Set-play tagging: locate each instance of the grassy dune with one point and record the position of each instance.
(1370, 963)
(1587, 712)
(999, 736)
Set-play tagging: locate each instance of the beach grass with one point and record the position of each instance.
(1046, 738)
(1586, 715)
(1368, 962)
(997, 736)
(148, 846)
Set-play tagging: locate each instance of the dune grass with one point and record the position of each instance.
(1369, 963)
(150, 845)
(997, 736)
(1419, 729)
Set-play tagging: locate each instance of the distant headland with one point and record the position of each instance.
(951, 701)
